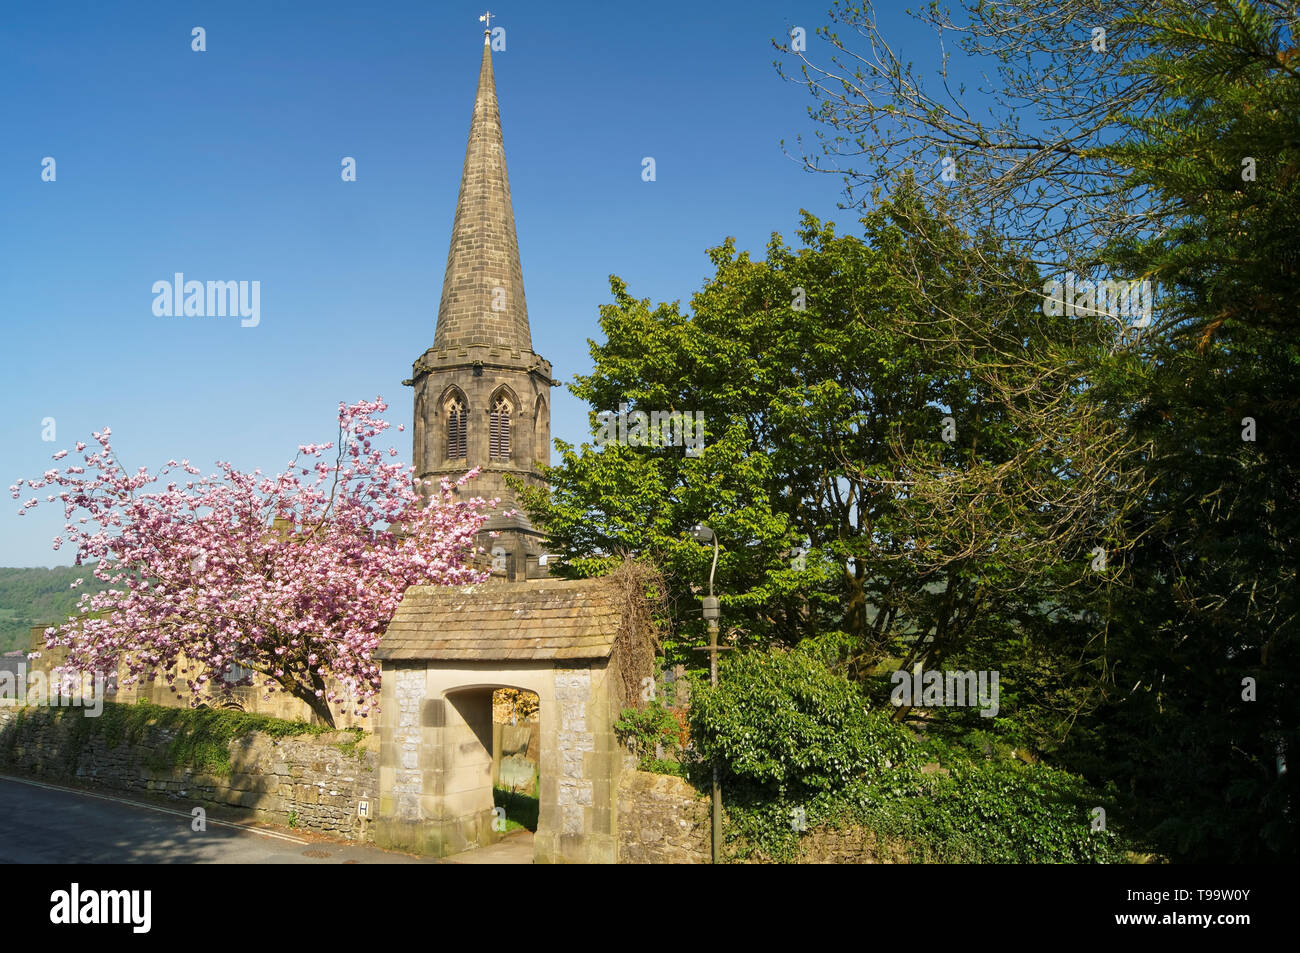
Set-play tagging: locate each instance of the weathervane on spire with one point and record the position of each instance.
(486, 18)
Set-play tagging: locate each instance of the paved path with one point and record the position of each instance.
(515, 848)
(45, 823)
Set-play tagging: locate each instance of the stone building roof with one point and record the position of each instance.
(541, 619)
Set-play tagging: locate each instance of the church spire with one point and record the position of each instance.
(483, 286)
(482, 394)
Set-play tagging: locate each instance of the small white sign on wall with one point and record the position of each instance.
(363, 808)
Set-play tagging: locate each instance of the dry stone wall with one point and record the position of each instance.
(664, 820)
(848, 845)
(307, 782)
(661, 820)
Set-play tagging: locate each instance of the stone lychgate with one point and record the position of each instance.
(444, 653)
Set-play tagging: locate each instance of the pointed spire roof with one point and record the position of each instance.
(483, 287)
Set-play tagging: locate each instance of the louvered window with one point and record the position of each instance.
(456, 441)
(499, 430)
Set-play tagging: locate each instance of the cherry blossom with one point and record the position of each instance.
(295, 579)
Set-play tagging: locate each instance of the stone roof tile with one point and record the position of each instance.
(538, 619)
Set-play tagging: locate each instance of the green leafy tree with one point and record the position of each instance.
(1166, 151)
(1205, 716)
(844, 511)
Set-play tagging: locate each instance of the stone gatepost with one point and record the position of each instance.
(403, 759)
(581, 810)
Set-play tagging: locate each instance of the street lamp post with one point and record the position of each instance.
(711, 614)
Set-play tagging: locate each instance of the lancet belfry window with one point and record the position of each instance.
(456, 440)
(499, 430)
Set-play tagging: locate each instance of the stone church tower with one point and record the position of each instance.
(482, 395)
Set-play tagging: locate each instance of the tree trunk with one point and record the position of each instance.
(320, 708)
(318, 704)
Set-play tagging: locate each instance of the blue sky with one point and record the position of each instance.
(224, 165)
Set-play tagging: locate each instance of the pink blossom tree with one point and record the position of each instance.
(293, 576)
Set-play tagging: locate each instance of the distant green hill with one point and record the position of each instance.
(31, 597)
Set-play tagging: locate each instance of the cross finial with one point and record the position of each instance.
(486, 18)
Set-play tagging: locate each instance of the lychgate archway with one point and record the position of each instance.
(445, 651)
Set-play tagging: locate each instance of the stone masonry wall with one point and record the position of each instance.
(307, 779)
(848, 845)
(407, 737)
(573, 741)
(661, 820)
(664, 820)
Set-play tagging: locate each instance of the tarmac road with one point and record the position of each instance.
(46, 824)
